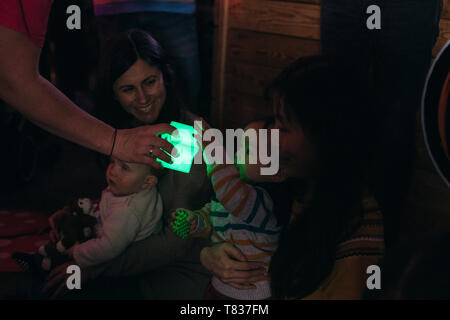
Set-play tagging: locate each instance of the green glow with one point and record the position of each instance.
(185, 144)
(181, 226)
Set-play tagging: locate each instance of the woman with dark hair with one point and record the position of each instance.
(137, 87)
(23, 27)
(334, 233)
(122, 53)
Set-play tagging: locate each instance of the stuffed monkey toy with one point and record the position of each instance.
(74, 224)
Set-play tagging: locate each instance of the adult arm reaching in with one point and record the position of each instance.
(22, 86)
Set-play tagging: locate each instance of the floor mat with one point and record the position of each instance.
(15, 223)
(19, 232)
(28, 244)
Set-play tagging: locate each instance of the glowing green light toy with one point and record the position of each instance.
(186, 145)
(181, 225)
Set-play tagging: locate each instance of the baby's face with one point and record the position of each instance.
(125, 178)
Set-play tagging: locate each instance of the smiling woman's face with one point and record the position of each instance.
(141, 91)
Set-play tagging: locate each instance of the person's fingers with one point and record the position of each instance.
(247, 266)
(160, 128)
(158, 153)
(157, 143)
(134, 144)
(148, 161)
(147, 147)
(234, 252)
(193, 223)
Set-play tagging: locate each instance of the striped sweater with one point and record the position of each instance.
(241, 214)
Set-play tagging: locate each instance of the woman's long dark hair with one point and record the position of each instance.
(121, 53)
(329, 106)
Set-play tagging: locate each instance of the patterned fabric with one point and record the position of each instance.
(363, 248)
(20, 230)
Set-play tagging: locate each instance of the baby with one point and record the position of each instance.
(130, 209)
(240, 213)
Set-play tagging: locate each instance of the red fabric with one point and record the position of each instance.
(19, 15)
(15, 223)
(18, 232)
(28, 244)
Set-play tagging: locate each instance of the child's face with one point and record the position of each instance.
(252, 172)
(125, 178)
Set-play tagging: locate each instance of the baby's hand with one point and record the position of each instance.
(191, 218)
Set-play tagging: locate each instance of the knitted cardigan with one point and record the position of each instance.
(365, 247)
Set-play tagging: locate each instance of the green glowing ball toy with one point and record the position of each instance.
(186, 145)
(181, 225)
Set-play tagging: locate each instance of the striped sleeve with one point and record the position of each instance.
(203, 224)
(250, 204)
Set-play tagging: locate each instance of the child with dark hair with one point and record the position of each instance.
(241, 211)
(335, 230)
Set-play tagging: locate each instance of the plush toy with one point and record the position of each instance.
(74, 224)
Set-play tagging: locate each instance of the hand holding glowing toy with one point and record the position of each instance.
(184, 143)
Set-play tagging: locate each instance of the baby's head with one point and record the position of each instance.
(125, 178)
(250, 172)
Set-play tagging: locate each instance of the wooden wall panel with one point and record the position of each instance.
(286, 18)
(250, 79)
(446, 10)
(240, 109)
(265, 49)
(444, 35)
